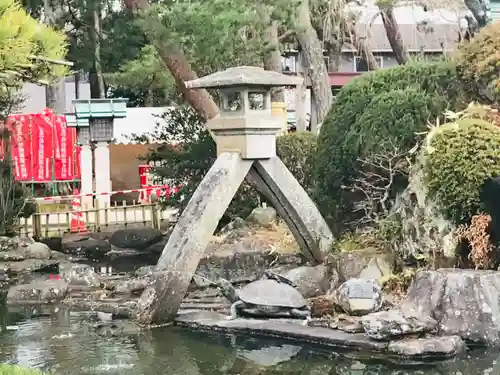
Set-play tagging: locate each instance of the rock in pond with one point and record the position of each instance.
(386, 325)
(31, 265)
(359, 296)
(464, 302)
(309, 281)
(132, 286)
(89, 247)
(136, 238)
(441, 347)
(79, 274)
(54, 243)
(31, 250)
(37, 250)
(37, 292)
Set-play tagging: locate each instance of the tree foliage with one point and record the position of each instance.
(147, 74)
(27, 47)
(372, 111)
(28, 52)
(478, 64)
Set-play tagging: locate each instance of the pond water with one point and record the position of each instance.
(67, 343)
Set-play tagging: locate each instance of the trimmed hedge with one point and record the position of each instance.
(372, 111)
(458, 159)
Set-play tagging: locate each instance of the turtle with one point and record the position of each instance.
(266, 298)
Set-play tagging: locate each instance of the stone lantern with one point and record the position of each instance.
(245, 123)
(94, 122)
(245, 133)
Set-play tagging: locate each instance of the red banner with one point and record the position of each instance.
(60, 149)
(21, 146)
(43, 148)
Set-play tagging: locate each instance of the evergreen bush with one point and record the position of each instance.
(377, 109)
(478, 64)
(459, 157)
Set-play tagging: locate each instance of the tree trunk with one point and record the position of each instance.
(363, 48)
(478, 9)
(393, 34)
(314, 64)
(333, 51)
(55, 93)
(96, 41)
(272, 58)
(179, 66)
(300, 109)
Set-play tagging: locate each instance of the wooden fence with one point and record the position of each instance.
(55, 219)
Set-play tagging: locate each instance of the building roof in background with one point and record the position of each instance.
(435, 30)
(139, 121)
(417, 38)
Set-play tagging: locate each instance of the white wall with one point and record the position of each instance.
(34, 96)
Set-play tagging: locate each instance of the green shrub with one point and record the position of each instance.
(458, 158)
(478, 64)
(372, 111)
(298, 153)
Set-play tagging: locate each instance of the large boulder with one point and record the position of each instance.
(136, 238)
(38, 292)
(359, 296)
(310, 281)
(88, 247)
(386, 325)
(463, 302)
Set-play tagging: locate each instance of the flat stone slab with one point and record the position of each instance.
(212, 321)
(433, 348)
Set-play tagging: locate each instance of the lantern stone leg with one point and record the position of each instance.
(245, 134)
(190, 237)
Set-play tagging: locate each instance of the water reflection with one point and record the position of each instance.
(67, 343)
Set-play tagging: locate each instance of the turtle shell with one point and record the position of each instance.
(272, 293)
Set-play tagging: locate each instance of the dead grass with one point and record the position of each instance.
(276, 239)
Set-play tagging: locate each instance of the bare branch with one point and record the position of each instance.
(376, 182)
